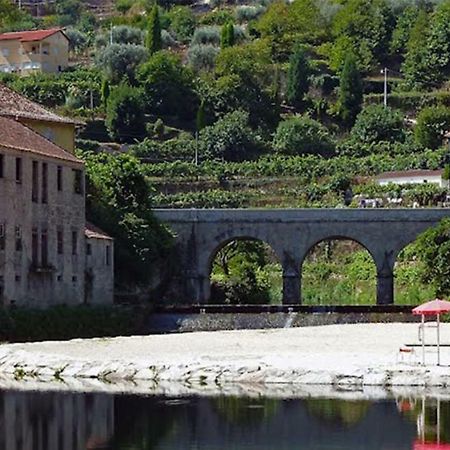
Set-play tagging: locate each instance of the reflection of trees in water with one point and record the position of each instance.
(142, 422)
(245, 411)
(342, 413)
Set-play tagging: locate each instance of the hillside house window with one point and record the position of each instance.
(2, 236)
(74, 242)
(2, 164)
(5, 51)
(88, 249)
(78, 181)
(44, 248)
(44, 182)
(18, 232)
(34, 182)
(59, 178)
(18, 170)
(34, 247)
(60, 241)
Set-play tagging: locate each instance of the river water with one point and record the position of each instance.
(73, 421)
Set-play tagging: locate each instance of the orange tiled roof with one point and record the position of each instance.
(16, 136)
(92, 231)
(13, 104)
(30, 36)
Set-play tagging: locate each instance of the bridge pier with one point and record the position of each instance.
(385, 289)
(291, 287)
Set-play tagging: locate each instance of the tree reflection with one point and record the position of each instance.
(340, 412)
(246, 411)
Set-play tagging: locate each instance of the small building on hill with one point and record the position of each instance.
(26, 52)
(413, 177)
(48, 255)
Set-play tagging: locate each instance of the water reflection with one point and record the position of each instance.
(55, 421)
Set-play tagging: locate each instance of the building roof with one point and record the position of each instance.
(91, 231)
(17, 136)
(410, 173)
(15, 105)
(30, 36)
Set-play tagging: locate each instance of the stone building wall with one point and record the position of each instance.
(41, 280)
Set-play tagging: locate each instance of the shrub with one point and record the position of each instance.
(302, 135)
(120, 61)
(202, 57)
(182, 22)
(432, 124)
(125, 114)
(377, 123)
(123, 34)
(167, 39)
(230, 138)
(246, 13)
(206, 35)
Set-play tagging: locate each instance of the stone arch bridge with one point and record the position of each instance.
(291, 233)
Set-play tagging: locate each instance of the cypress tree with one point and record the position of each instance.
(298, 81)
(154, 43)
(350, 91)
(227, 35)
(201, 119)
(105, 91)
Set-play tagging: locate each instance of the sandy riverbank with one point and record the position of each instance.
(338, 355)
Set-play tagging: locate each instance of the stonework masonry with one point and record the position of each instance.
(292, 233)
(48, 255)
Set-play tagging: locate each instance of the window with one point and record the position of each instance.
(44, 248)
(88, 249)
(34, 247)
(59, 178)
(5, 51)
(2, 236)
(18, 232)
(34, 182)
(19, 170)
(60, 241)
(78, 181)
(108, 255)
(2, 162)
(44, 182)
(74, 242)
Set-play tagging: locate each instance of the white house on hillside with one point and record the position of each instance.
(413, 177)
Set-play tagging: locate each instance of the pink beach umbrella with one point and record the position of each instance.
(432, 308)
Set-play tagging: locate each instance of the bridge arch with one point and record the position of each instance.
(268, 253)
(331, 276)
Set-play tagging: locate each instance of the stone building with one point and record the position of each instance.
(48, 255)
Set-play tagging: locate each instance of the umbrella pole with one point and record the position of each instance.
(438, 342)
(423, 339)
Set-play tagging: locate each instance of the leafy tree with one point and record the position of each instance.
(416, 60)
(403, 28)
(182, 22)
(120, 61)
(298, 77)
(432, 123)
(11, 16)
(230, 138)
(227, 35)
(200, 119)
(119, 201)
(368, 25)
(153, 42)
(377, 123)
(202, 57)
(168, 86)
(125, 118)
(69, 11)
(123, 34)
(78, 41)
(350, 91)
(302, 135)
(433, 249)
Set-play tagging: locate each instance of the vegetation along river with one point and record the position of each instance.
(69, 421)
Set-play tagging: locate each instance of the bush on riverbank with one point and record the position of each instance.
(63, 322)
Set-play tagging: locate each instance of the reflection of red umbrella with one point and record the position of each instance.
(418, 445)
(433, 308)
